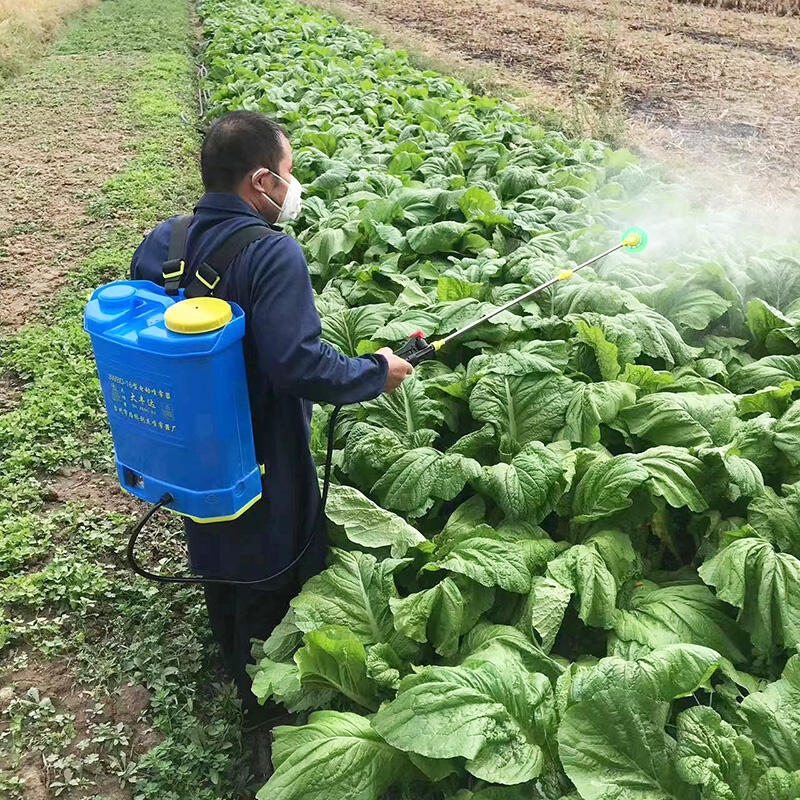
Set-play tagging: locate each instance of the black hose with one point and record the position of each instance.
(319, 524)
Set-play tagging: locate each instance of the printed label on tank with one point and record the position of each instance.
(145, 400)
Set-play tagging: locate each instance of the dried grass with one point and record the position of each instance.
(783, 8)
(27, 25)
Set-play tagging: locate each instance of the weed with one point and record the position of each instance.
(25, 28)
(23, 540)
(34, 723)
(596, 104)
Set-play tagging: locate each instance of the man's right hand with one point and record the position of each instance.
(399, 369)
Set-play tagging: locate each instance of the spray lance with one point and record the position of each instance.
(415, 350)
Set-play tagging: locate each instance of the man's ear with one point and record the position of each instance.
(265, 181)
(260, 179)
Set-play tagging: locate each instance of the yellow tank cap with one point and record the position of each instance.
(198, 315)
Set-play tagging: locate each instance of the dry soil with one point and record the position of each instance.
(708, 89)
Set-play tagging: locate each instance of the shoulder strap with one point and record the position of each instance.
(212, 270)
(173, 268)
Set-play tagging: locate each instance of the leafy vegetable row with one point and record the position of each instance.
(565, 554)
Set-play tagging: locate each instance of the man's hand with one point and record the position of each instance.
(399, 369)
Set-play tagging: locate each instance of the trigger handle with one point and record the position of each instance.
(416, 349)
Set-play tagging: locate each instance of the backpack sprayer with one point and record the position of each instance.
(174, 384)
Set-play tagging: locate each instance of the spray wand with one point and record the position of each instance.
(416, 349)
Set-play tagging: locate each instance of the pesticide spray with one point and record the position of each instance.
(701, 224)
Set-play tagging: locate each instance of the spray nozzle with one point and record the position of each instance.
(634, 240)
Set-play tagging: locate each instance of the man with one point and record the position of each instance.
(246, 164)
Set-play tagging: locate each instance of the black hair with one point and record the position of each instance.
(237, 143)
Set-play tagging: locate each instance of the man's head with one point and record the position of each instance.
(248, 154)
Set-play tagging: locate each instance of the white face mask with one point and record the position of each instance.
(292, 202)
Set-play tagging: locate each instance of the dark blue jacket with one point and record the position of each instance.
(288, 367)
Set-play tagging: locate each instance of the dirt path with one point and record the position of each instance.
(709, 88)
(104, 679)
(58, 144)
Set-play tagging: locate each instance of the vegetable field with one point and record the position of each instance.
(565, 556)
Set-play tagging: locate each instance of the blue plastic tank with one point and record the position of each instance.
(175, 389)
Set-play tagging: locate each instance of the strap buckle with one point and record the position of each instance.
(173, 268)
(172, 272)
(207, 276)
(204, 281)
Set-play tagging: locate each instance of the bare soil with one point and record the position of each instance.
(35, 782)
(54, 679)
(93, 489)
(57, 148)
(10, 392)
(705, 88)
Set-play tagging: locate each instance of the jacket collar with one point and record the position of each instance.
(228, 204)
